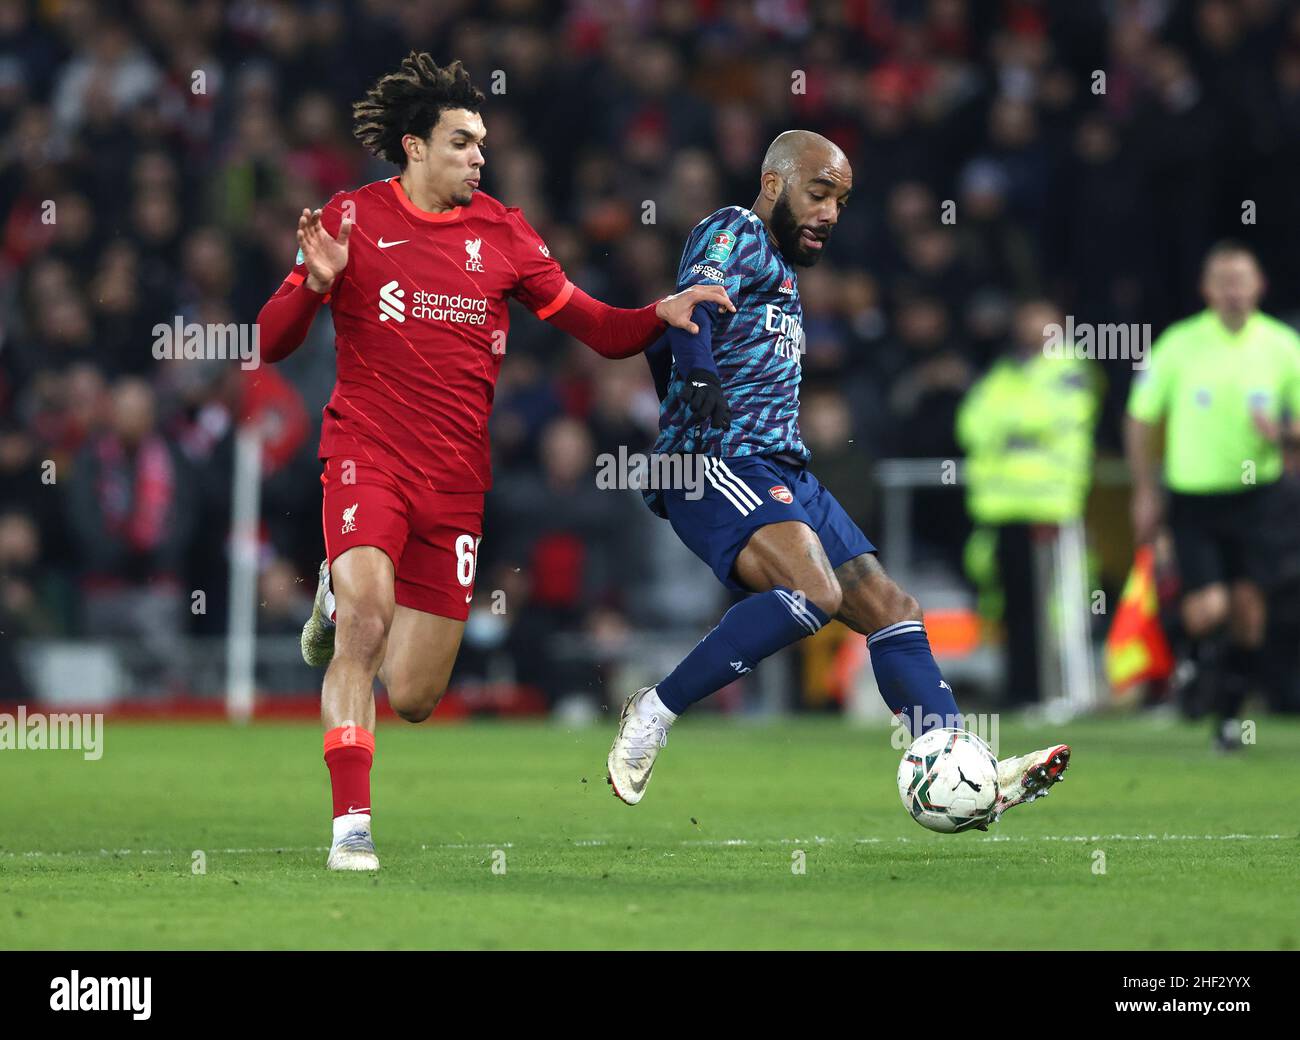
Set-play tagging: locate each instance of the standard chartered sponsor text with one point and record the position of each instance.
(463, 310)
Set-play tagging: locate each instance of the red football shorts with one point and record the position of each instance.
(431, 536)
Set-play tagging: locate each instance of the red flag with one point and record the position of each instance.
(1136, 647)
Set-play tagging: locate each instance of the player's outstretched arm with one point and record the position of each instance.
(285, 318)
(676, 310)
(616, 332)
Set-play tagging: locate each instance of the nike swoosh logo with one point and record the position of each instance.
(384, 245)
(351, 810)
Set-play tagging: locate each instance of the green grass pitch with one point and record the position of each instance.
(1199, 850)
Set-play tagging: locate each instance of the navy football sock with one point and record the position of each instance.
(909, 680)
(753, 629)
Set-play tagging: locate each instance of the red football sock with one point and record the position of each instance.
(349, 752)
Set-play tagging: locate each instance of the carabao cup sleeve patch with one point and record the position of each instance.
(720, 246)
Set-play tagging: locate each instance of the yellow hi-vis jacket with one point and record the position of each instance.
(1026, 428)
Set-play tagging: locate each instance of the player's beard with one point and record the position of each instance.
(787, 231)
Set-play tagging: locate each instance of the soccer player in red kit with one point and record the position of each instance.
(417, 271)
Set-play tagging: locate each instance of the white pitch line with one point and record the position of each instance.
(1144, 837)
(161, 852)
(689, 843)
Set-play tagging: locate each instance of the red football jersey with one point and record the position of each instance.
(420, 321)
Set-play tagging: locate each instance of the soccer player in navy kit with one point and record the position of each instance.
(764, 524)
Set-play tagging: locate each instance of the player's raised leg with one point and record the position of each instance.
(317, 639)
(906, 673)
(796, 593)
(910, 681)
(363, 582)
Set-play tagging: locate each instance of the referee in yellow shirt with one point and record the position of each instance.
(1226, 384)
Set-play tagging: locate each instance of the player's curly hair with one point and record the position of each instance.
(410, 101)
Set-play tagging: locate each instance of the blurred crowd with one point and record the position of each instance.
(154, 155)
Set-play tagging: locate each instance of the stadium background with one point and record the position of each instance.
(176, 203)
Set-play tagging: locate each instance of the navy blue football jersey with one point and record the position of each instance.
(758, 349)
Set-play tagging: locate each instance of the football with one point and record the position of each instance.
(948, 780)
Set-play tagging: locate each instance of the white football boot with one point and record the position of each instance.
(318, 632)
(353, 847)
(642, 731)
(1026, 777)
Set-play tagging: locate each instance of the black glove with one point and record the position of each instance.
(703, 396)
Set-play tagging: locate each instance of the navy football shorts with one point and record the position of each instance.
(746, 492)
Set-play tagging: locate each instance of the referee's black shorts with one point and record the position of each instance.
(1224, 538)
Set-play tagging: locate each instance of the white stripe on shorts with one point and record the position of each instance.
(745, 491)
(742, 492)
(724, 488)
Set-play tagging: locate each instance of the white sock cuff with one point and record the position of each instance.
(896, 629)
(650, 704)
(798, 608)
(349, 822)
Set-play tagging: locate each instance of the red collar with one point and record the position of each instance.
(415, 211)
